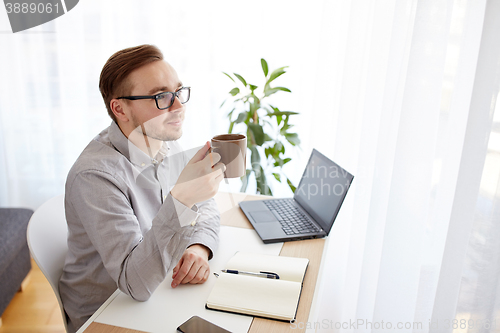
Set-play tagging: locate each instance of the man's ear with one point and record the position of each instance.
(116, 106)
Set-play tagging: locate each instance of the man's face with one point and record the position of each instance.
(151, 79)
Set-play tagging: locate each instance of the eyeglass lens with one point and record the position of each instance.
(165, 100)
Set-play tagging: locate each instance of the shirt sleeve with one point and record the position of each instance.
(137, 262)
(206, 230)
(207, 226)
(187, 216)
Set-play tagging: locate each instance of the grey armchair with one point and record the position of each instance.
(15, 262)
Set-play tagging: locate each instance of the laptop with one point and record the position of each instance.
(312, 210)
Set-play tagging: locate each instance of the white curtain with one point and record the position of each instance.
(413, 88)
(401, 93)
(50, 105)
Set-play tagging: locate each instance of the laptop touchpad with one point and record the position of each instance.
(263, 216)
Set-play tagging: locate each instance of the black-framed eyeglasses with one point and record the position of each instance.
(165, 100)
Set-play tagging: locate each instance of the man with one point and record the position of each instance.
(135, 205)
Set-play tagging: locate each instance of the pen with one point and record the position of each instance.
(268, 275)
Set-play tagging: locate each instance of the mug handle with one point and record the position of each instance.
(209, 151)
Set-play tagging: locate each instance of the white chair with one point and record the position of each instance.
(47, 241)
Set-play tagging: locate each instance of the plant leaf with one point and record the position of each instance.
(265, 121)
(235, 91)
(267, 151)
(252, 87)
(292, 187)
(267, 137)
(275, 108)
(244, 180)
(260, 177)
(255, 98)
(279, 162)
(265, 68)
(267, 109)
(283, 89)
(284, 128)
(241, 117)
(255, 157)
(267, 190)
(293, 138)
(231, 127)
(254, 107)
(241, 79)
(270, 91)
(257, 169)
(277, 176)
(229, 76)
(287, 118)
(258, 133)
(282, 113)
(275, 74)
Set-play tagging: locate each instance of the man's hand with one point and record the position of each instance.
(199, 181)
(193, 267)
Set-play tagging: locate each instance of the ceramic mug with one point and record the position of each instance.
(232, 149)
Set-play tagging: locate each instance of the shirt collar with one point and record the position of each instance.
(135, 155)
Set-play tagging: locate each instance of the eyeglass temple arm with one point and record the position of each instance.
(136, 97)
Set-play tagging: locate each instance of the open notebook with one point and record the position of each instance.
(260, 296)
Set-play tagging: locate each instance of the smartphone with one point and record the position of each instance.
(196, 324)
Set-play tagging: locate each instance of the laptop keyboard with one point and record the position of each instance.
(292, 220)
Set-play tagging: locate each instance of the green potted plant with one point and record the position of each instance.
(267, 127)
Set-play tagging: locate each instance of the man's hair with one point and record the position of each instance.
(113, 82)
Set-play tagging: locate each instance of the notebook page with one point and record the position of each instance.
(288, 268)
(255, 296)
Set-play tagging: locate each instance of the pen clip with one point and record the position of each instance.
(276, 276)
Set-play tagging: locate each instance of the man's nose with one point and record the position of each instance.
(176, 105)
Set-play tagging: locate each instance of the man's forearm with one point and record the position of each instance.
(147, 265)
(208, 226)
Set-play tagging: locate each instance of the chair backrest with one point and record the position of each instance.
(47, 241)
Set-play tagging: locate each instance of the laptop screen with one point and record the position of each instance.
(322, 189)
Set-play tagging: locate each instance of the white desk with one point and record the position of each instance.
(167, 308)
